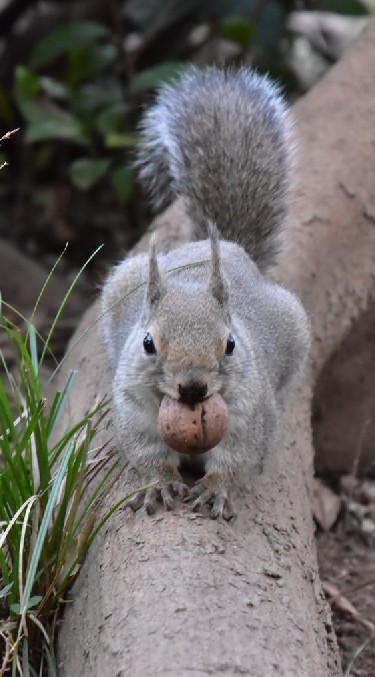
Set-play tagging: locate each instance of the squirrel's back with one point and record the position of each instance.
(221, 141)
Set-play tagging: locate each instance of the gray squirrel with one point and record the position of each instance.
(220, 140)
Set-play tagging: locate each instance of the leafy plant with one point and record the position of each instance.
(238, 30)
(50, 492)
(91, 105)
(346, 7)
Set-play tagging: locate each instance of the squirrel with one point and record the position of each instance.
(221, 141)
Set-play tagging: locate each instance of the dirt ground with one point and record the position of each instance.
(347, 562)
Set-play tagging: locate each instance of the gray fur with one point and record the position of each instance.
(218, 285)
(221, 140)
(190, 312)
(155, 283)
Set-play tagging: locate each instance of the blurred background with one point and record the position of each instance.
(74, 78)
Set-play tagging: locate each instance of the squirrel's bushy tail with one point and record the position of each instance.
(220, 141)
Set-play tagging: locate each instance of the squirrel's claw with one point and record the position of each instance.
(156, 495)
(179, 489)
(198, 497)
(136, 502)
(223, 507)
(173, 489)
(220, 504)
(152, 498)
(148, 499)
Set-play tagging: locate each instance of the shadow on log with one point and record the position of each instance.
(179, 594)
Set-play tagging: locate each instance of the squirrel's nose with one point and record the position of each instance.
(192, 392)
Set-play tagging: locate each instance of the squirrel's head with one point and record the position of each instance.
(187, 329)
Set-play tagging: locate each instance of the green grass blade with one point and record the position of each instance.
(62, 305)
(7, 373)
(58, 405)
(25, 658)
(31, 426)
(93, 497)
(16, 472)
(110, 513)
(62, 443)
(14, 519)
(10, 499)
(33, 348)
(75, 492)
(50, 660)
(46, 282)
(356, 653)
(43, 529)
(86, 544)
(7, 588)
(7, 427)
(6, 324)
(22, 547)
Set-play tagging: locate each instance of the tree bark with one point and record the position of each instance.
(183, 595)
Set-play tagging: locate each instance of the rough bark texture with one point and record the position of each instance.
(182, 595)
(344, 404)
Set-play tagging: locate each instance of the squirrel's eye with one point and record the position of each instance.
(231, 344)
(149, 345)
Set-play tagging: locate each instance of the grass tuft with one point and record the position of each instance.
(49, 497)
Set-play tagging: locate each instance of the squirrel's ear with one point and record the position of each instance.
(218, 286)
(155, 286)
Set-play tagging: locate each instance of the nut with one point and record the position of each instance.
(193, 429)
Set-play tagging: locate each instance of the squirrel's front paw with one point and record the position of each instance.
(210, 491)
(154, 496)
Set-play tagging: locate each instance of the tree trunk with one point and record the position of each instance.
(180, 594)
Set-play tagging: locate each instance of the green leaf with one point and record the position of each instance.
(116, 140)
(32, 603)
(64, 39)
(4, 591)
(238, 30)
(112, 118)
(88, 60)
(93, 97)
(27, 86)
(47, 122)
(85, 173)
(122, 181)
(347, 7)
(160, 15)
(50, 660)
(153, 77)
(54, 88)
